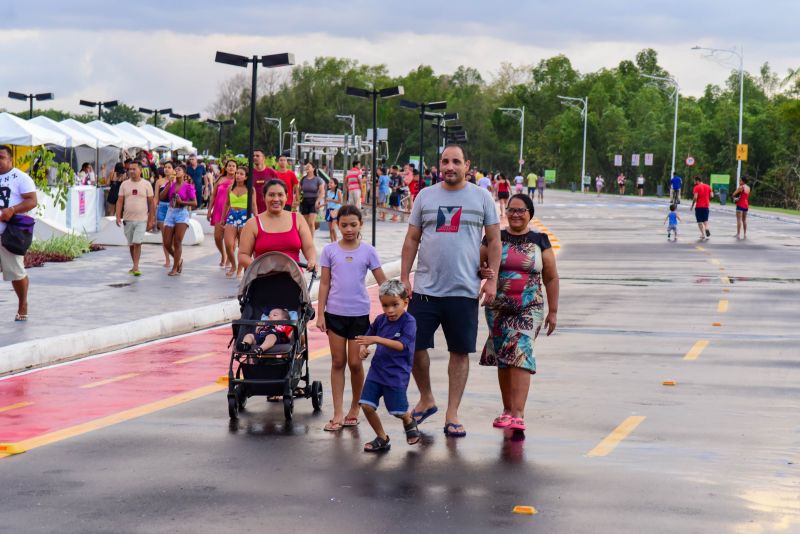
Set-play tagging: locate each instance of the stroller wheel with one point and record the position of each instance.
(241, 397)
(316, 395)
(233, 407)
(288, 407)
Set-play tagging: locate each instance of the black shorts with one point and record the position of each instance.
(347, 327)
(308, 206)
(503, 195)
(639, 186)
(458, 317)
(701, 214)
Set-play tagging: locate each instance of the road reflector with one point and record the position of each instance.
(526, 510)
(222, 381)
(11, 448)
(716, 324)
(726, 290)
(668, 383)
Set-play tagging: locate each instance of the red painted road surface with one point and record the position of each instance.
(58, 397)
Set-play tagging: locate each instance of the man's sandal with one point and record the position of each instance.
(20, 318)
(413, 435)
(378, 445)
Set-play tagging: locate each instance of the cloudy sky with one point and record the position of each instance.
(146, 54)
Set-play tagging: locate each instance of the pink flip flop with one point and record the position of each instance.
(502, 421)
(517, 423)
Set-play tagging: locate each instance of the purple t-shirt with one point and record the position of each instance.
(393, 367)
(348, 294)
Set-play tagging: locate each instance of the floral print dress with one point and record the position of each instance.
(516, 315)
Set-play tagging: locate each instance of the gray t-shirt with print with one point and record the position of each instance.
(452, 226)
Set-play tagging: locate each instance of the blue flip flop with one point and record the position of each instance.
(454, 433)
(424, 415)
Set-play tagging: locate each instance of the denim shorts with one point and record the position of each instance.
(458, 317)
(395, 398)
(161, 213)
(176, 216)
(237, 217)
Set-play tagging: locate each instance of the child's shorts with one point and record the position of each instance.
(672, 228)
(394, 398)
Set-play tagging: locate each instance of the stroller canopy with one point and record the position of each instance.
(270, 264)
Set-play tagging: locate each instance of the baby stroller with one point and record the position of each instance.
(273, 280)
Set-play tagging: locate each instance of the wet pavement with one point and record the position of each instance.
(608, 447)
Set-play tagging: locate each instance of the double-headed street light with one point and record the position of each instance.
(439, 121)
(270, 61)
(351, 120)
(31, 97)
(219, 124)
(155, 113)
(279, 122)
(191, 116)
(521, 111)
(583, 106)
(99, 105)
(740, 54)
(375, 94)
(423, 108)
(676, 96)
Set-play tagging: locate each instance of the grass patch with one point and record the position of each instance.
(784, 211)
(59, 249)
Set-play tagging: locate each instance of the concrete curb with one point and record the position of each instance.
(29, 354)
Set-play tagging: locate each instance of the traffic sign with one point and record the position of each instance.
(522, 162)
(741, 152)
(690, 161)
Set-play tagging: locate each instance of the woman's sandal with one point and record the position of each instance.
(20, 317)
(350, 421)
(180, 266)
(332, 426)
(378, 445)
(413, 435)
(502, 421)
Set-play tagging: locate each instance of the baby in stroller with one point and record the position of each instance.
(268, 336)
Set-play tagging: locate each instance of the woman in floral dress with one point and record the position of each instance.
(518, 312)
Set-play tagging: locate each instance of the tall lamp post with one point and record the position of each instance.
(31, 97)
(351, 119)
(155, 113)
(279, 122)
(191, 116)
(521, 111)
(423, 107)
(220, 125)
(583, 106)
(740, 54)
(270, 61)
(375, 94)
(99, 105)
(675, 95)
(439, 121)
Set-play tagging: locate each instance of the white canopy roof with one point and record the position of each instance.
(74, 137)
(103, 138)
(175, 142)
(130, 138)
(16, 131)
(154, 142)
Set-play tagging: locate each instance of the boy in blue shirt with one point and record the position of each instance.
(671, 220)
(676, 183)
(394, 332)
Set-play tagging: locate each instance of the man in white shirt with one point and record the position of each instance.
(17, 196)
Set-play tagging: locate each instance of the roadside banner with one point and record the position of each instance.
(618, 160)
(550, 176)
(648, 160)
(720, 181)
(634, 160)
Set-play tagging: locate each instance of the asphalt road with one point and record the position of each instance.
(717, 452)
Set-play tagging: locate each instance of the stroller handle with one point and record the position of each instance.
(304, 265)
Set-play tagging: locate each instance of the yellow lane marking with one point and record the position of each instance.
(14, 406)
(696, 349)
(722, 306)
(701, 249)
(319, 353)
(89, 426)
(111, 380)
(726, 290)
(617, 435)
(195, 358)
(725, 279)
(714, 261)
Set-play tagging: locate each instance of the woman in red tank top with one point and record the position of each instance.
(276, 230)
(742, 198)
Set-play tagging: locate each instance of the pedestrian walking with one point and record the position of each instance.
(393, 333)
(196, 172)
(261, 175)
(313, 189)
(114, 181)
(181, 195)
(503, 193)
(136, 209)
(17, 197)
(640, 185)
(235, 210)
(384, 189)
(599, 184)
(532, 183)
(288, 176)
(217, 212)
(516, 315)
(621, 183)
(671, 220)
(518, 183)
(166, 172)
(676, 184)
(701, 203)
(444, 234)
(353, 183)
(333, 201)
(541, 183)
(742, 198)
(344, 306)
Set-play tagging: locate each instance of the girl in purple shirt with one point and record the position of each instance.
(180, 193)
(343, 309)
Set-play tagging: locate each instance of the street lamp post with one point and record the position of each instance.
(99, 105)
(375, 94)
(676, 96)
(155, 112)
(31, 97)
(279, 122)
(584, 109)
(351, 119)
(423, 107)
(191, 116)
(521, 111)
(740, 54)
(270, 61)
(439, 121)
(219, 125)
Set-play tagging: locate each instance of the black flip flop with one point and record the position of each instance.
(378, 445)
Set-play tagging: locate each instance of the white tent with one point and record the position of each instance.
(16, 131)
(154, 142)
(74, 137)
(130, 139)
(103, 138)
(176, 142)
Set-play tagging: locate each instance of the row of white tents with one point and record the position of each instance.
(70, 133)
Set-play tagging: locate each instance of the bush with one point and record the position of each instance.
(59, 249)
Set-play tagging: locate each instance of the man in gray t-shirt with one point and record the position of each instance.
(444, 234)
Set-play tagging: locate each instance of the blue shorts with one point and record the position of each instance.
(738, 208)
(176, 216)
(701, 214)
(394, 398)
(329, 214)
(161, 213)
(382, 196)
(458, 317)
(236, 217)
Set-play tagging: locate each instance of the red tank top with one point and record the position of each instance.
(502, 187)
(744, 200)
(286, 242)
